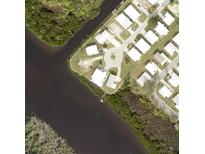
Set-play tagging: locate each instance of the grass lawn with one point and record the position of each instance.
(134, 26)
(125, 34)
(142, 17)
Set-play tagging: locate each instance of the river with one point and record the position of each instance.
(71, 109)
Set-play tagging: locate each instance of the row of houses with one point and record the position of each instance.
(169, 87)
(169, 82)
(125, 19)
(151, 37)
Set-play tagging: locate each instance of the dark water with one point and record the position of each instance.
(75, 113)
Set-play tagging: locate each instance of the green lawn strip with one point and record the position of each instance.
(80, 55)
(142, 17)
(125, 34)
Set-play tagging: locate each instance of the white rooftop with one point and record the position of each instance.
(151, 37)
(153, 1)
(134, 54)
(170, 48)
(132, 12)
(152, 68)
(176, 39)
(142, 45)
(168, 18)
(143, 78)
(176, 100)
(123, 21)
(161, 29)
(115, 28)
(165, 92)
(156, 1)
(174, 80)
(112, 81)
(99, 77)
(106, 36)
(161, 58)
(92, 50)
(102, 37)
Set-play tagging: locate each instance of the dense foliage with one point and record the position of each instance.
(41, 139)
(55, 21)
(152, 22)
(155, 131)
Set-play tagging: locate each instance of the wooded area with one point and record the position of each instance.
(40, 138)
(55, 21)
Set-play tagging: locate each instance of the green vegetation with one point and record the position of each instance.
(152, 22)
(125, 34)
(172, 2)
(153, 8)
(134, 26)
(55, 22)
(40, 138)
(91, 86)
(113, 71)
(142, 17)
(151, 125)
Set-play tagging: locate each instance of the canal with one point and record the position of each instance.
(71, 109)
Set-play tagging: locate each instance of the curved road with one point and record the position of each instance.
(76, 114)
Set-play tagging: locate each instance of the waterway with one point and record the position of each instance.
(71, 109)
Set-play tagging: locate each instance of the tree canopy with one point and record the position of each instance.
(55, 21)
(41, 138)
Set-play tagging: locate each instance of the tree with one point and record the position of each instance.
(55, 22)
(152, 23)
(41, 138)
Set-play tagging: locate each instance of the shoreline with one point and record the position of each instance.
(47, 48)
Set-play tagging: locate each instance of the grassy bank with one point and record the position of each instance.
(92, 87)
